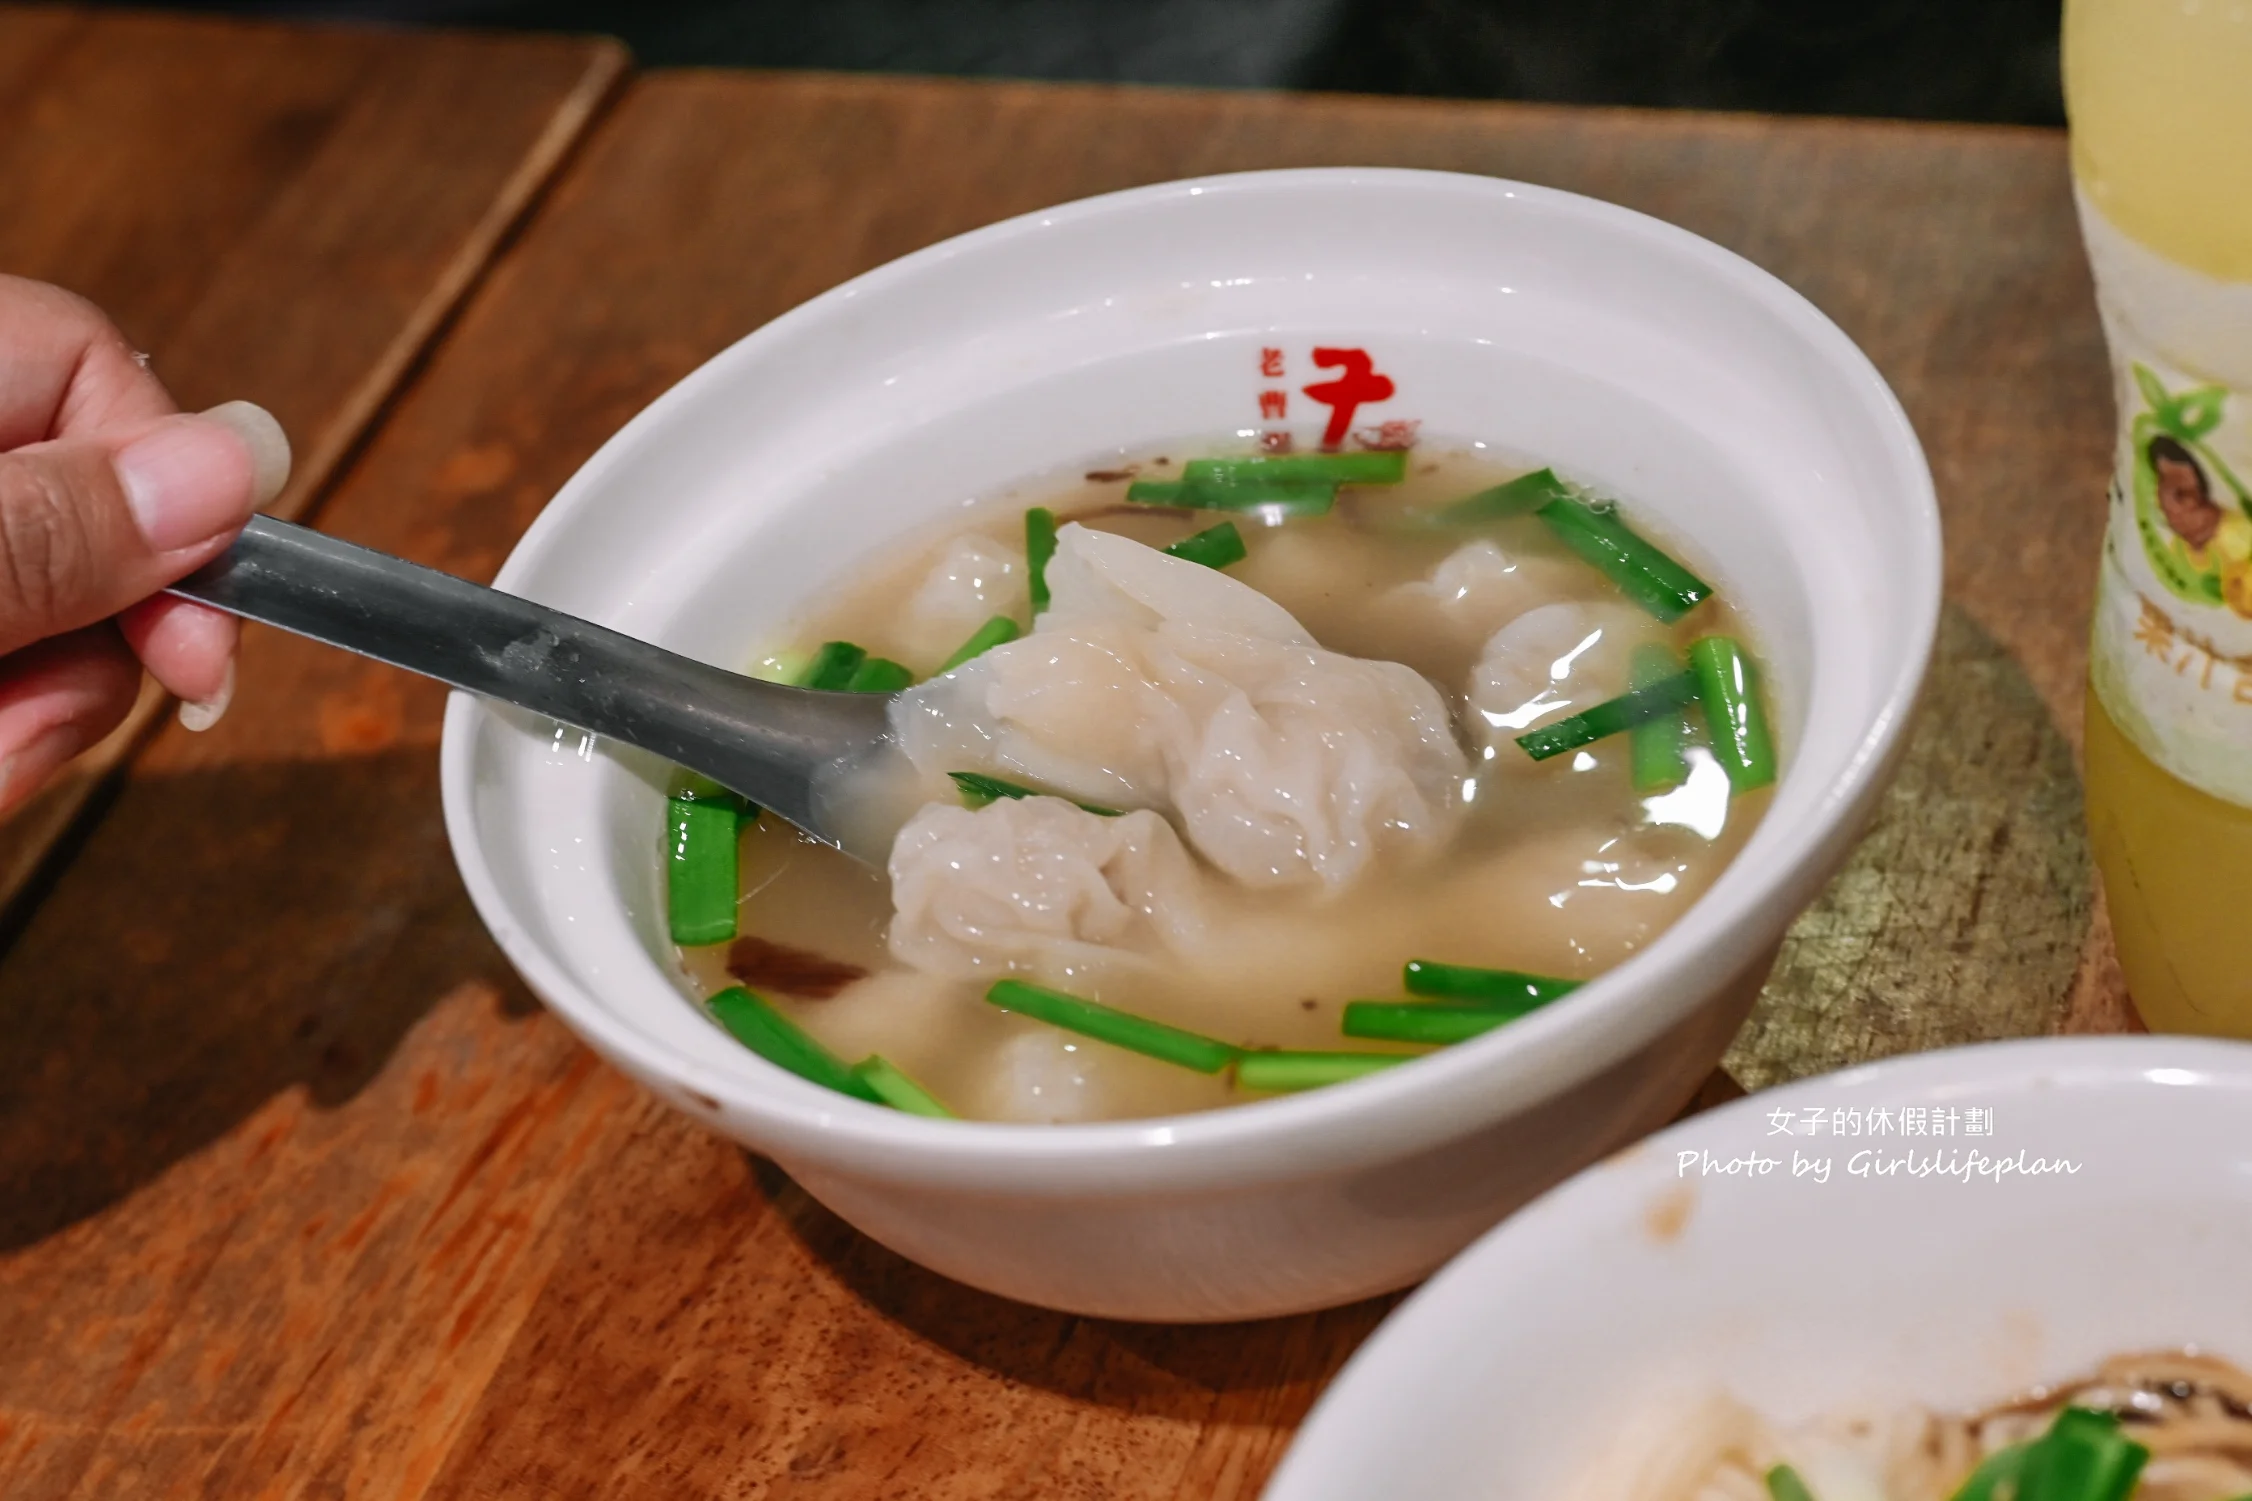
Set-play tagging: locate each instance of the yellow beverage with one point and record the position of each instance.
(2177, 871)
(2160, 98)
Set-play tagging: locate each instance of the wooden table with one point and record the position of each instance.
(300, 1192)
(280, 216)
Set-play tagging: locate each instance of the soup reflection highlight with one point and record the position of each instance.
(1221, 748)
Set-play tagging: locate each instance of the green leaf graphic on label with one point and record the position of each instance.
(2198, 412)
(2154, 394)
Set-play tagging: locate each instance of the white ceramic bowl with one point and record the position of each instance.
(1628, 352)
(1646, 1280)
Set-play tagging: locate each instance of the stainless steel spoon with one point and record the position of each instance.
(786, 749)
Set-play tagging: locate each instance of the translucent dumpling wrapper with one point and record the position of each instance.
(974, 580)
(1038, 886)
(1551, 661)
(1476, 589)
(1475, 580)
(1044, 1075)
(1151, 682)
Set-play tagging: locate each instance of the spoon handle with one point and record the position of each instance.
(766, 741)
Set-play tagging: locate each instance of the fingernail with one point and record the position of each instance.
(263, 436)
(201, 714)
(184, 478)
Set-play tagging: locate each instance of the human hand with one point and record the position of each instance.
(107, 494)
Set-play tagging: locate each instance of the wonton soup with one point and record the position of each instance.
(1232, 776)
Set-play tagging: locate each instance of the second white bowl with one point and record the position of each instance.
(2057, 1202)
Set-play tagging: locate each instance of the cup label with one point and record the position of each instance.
(2171, 647)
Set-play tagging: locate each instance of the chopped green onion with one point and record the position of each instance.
(1118, 1028)
(1158, 492)
(752, 1021)
(1999, 1468)
(1434, 1022)
(1387, 466)
(1657, 746)
(1610, 717)
(1784, 1484)
(1510, 990)
(896, 1089)
(982, 640)
(2083, 1457)
(695, 787)
(1519, 497)
(702, 822)
(780, 667)
(700, 878)
(1728, 684)
(1039, 547)
(1214, 547)
(832, 666)
(978, 789)
(879, 675)
(1595, 531)
(1281, 1072)
(1642, 572)
(1293, 497)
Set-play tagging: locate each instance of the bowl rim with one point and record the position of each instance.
(1393, 1358)
(1354, 1124)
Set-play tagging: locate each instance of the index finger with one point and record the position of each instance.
(65, 370)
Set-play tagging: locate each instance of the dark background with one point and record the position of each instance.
(1926, 59)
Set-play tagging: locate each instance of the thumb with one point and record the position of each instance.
(91, 525)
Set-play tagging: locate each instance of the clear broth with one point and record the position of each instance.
(1558, 869)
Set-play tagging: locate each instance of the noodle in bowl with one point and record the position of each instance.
(1674, 1322)
(2190, 1414)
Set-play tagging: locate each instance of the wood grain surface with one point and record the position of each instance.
(301, 1195)
(278, 215)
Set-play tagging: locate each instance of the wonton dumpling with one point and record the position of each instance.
(974, 580)
(1159, 683)
(1037, 885)
(1476, 589)
(1555, 660)
(1469, 580)
(1044, 1075)
(1100, 578)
